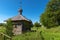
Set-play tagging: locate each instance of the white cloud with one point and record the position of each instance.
(2, 18)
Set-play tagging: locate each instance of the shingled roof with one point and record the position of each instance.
(19, 17)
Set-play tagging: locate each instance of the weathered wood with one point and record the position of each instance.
(2, 34)
(5, 35)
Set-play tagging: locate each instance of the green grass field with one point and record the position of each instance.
(46, 34)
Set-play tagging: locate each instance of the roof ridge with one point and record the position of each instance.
(19, 17)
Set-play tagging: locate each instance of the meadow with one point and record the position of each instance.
(41, 33)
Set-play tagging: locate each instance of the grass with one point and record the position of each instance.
(47, 34)
(2, 30)
(28, 36)
(52, 34)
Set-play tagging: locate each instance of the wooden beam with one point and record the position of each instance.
(5, 35)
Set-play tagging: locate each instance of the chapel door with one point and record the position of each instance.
(18, 29)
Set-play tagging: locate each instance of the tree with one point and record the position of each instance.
(9, 28)
(51, 16)
(36, 24)
(2, 24)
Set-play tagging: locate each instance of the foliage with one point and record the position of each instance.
(2, 24)
(47, 34)
(9, 28)
(36, 24)
(28, 36)
(51, 17)
(2, 29)
(41, 34)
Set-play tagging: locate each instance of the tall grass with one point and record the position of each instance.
(41, 33)
(46, 34)
(2, 30)
(28, 36)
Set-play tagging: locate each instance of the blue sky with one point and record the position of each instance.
(32, 9)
